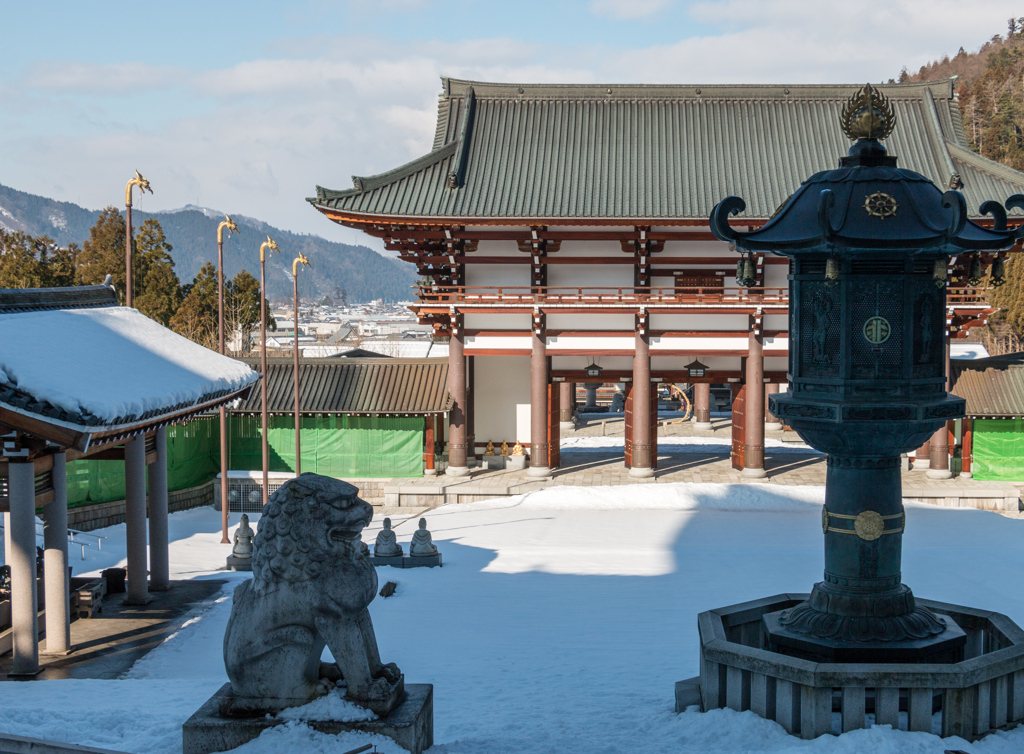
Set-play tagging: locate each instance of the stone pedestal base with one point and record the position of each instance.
(540, 472)
(410, 724)
(772, 427)
(407, 561)
(946, 647)
(939, 473)
(753, 473)
(566, 427)
(517, 463)
(702, 426)
(494, 462)
(457, 471)
(637, 472)
(238, 564)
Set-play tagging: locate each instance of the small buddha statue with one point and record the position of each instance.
(490, 449)
(387, 545)
(243, 539)
(504, 447)
(422, 544)
(518, 450)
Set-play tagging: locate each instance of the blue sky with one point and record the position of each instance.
(245, 107)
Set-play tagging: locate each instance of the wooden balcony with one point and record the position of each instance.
(603, 296)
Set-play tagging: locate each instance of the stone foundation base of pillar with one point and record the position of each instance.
(967, 474)
(160, 587)
(939, 474)
(772, 427)
(538, 471)
(136, 602)
(457, 471)
(703, 426)
(920, 464)
(429, 472)
(753, 473)
(641, 473)
(566, 427)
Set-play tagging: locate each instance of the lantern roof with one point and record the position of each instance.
(870, 204)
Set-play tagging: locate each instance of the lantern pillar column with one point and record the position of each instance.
(591, 388)
(55, 562)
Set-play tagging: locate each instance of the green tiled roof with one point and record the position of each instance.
(545, 152)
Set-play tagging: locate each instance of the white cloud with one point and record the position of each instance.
(627, 9)
(94, 78)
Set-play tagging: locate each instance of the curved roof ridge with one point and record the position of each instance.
(368, 183)
(939, 88)
(984, 163)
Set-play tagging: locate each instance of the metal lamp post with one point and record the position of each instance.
(270, 245)
(868, 246)
(143, 185)
(229, 224)
(300, 259)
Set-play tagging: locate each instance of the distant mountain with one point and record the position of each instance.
(192, 231)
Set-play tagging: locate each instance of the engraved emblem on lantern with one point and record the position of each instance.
(877, 330)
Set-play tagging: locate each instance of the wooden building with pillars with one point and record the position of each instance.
(81, 377)
(563, 234)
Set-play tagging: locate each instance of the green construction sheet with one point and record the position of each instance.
(998, 450)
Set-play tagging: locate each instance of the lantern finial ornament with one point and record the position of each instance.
(868, 115)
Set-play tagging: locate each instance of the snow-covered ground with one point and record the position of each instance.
(559, 623)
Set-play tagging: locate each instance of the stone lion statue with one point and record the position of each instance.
(312, 582)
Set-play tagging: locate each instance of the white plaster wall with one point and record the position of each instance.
(699, 321)
(477, 321)
(776, 276)
(497, 275)
(776, 322)
(497, 248)
(498, 342)
(501, 382)
(775, 344)
(571, 343)
(776, 363)
(598, 322)
(721, 362)
(698, 344)
(590, 275)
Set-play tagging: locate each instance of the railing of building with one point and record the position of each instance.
(532, 295)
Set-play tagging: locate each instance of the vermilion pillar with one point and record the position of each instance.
(539, 406)
(457, 461)
(771, 424)
(753, 431)
(967, 449)
(702, 406)
(938, 467)
(565, 396)
(641, 394)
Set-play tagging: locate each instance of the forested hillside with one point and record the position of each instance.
(359, 271)
(990, 85)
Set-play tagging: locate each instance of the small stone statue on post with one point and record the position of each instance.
(240, 558)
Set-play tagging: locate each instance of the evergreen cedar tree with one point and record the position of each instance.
(991, 87)
(191, 310)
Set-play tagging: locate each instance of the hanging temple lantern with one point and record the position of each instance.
(868, 246)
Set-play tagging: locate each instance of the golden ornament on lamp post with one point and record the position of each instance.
(229, 224)
(268, 245)
(300, 259)
(143, 185)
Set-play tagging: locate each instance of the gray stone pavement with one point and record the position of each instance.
(604, 467)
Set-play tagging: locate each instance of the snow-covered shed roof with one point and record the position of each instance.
(76, 362)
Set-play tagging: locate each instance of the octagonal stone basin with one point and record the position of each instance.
(969, 699)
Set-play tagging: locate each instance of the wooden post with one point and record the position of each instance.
(539, 405)
(457, 461)
(471, 459)
(21, 490)
(554, 425)
(55, 562)
(159, 558)
(753, 451)
(428, 446)
(739, 425)
(640, 466)
(921, 457)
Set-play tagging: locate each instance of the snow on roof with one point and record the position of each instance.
(967, 350)
(112, 364)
